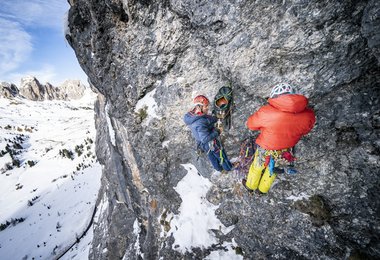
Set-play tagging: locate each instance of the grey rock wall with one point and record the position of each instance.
(177, 49)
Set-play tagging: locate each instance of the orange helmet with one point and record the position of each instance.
(201, 100)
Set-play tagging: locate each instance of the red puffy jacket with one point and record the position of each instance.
(282, 122)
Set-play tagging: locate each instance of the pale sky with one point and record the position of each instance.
(32, 42)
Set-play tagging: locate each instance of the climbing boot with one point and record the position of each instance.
(244, 181)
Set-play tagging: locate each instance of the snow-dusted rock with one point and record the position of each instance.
(8, 90)
(72, 89)
(32, 89)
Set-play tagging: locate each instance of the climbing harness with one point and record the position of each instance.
(199, 151)
(216, 147)
(265, 167)
(278, 159)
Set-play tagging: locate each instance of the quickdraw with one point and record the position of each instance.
(221, 157)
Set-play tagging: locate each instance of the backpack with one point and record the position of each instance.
(223, 103)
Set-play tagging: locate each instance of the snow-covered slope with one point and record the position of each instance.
(49, 176)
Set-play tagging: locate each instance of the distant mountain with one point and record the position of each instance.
(30, 88)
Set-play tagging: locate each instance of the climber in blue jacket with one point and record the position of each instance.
(206, 134)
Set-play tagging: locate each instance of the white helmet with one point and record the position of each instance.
(281, 89)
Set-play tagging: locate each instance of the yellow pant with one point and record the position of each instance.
(256, 178)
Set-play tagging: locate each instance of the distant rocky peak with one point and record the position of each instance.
(28, 80)
(30, 88)
(73, 89)
(8, 90)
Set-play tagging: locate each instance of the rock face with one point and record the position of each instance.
(72, 89)
(8, 90)
(174, 50)
(32, 89)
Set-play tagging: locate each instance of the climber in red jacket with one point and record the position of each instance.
(281, 123)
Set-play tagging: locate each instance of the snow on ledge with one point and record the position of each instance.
(301, 196)
(192, 227)
(165, 144)
(229, 253)
(150, 105)
(136, 232)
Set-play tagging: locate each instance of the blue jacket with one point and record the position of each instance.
(202, 128)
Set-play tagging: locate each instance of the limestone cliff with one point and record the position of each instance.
(174, 49)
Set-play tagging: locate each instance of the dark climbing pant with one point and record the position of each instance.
(215, 161)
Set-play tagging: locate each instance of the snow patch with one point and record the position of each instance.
(301, 196)
(82, 249)
(165, 144)
(193, 226)
(6, 159)
(148, 103)
(48, 196)
(136, 231)
(111, 131)
(229, 252)
(181, 80)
